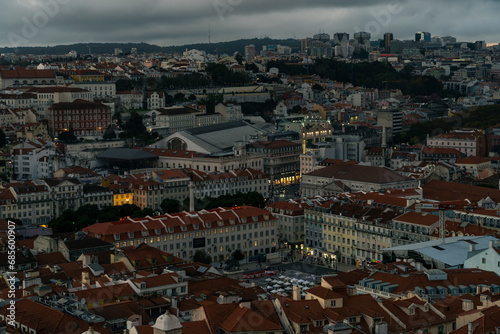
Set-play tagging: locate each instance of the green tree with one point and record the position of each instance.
(202, 256)
(238, 255)
(68, 136)
(109, 134)
(124, 84)
(133, 127)
(170, 205)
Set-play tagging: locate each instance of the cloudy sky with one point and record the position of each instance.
(177, 22)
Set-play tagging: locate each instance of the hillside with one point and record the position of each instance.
(108, 48)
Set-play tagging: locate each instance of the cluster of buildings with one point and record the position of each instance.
(338, 191)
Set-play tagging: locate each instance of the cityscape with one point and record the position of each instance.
(336, 181)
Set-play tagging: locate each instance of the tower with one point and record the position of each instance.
(388, 37)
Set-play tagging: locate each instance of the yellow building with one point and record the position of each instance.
(122, 194)
(355, 234)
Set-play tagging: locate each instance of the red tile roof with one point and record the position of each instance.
(246, 320)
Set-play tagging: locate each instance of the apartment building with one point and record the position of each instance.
(218, 232)
(290, 215)
(281, 160)
(32, 160)
(84, 117)
(468, 142)
(17, 99)
(99, 90)
(24, 77)
(156, 100)
(29, 202)
(18, 116)
(356, 234)
(131, 99)
(47, 96)
(229, 111)
(216, 184)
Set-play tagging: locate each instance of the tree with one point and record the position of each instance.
(124, 84)
(238, 255)
(109, 134)
(169, 205)
(202, 256)
(133, 127)
(68, 136)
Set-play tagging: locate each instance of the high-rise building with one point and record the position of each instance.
(322, 37)
(250, 52)
(362, 40)
(319, 46)
(388, 37)
(341, 38)
(423, 37)
(362, 37)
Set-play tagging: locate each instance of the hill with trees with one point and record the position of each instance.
(228, 47)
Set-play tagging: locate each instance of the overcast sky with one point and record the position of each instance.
(176, 22)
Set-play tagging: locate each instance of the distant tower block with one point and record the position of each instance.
(341, 38)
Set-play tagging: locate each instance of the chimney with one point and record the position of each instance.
(296, 293)
(191, 196)
(492, 244)
(472, 247)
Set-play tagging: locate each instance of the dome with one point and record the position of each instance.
(167, 322)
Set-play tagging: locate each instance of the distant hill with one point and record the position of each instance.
(108, 48)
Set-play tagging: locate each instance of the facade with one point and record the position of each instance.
(99, 90)
(391, 119)
(218, 232)
(485, 259)
(17, 100)
(281, 160)
(31, 203)
(156, 100)
(290, 215)
(356, 234)
(64, 194)
(97, 195)
(340, 177)
(23, 77)
(229, 111)
(147, 193)
(130, 99)
(172, 158)
(216, 184)
(84, 117)
(414, 227)
(33, 160)
(468, 142)
(47, 96)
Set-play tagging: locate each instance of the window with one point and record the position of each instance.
(483, 260)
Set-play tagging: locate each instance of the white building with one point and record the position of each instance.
(218, 232)
(229, 111)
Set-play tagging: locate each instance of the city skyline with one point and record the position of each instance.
(54, 22)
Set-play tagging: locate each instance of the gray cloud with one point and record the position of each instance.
(168, 22)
